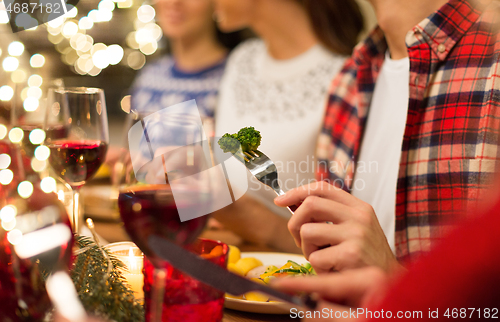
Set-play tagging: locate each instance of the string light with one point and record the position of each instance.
(35, 92)
(48, 184)
(104, 15)
(55, 20)
(149, 48)
(99, 57)
(15, 48)
(69, 29)
(8, 213)
(37, 136)
(4, 161)
(125, 103)
(131, 42)
(6, 93)
(94, 71)
(93, 15)
(9, 225)
(89, 58)
(124, 4)
(106, 5)
(3, 131)
(136, 60)
(85, 23)
(38, 165)
(4, 17)
(16, 135)
(115, 54)
(24, 93)
(42, 153)
(25, 189)
(146, 13)
(73, 12)
(37, 61)
(31, 104)
(10, 64)
(35, 80)
(6, 176)
(18, 76)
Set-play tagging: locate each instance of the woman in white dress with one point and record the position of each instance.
(278, 85)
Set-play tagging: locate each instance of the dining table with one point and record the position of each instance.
(110, 228)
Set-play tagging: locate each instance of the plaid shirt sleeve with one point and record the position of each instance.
(450, 145)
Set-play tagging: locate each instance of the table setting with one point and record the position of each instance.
(167, 262)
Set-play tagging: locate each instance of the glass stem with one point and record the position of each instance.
(159, 279)
(76, 209)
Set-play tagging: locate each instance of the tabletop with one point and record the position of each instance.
(111, 230)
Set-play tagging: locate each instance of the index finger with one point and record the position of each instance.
(333, 287)
(320, 189)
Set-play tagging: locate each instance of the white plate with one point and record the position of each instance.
(276, 259)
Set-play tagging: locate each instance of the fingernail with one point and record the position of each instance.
(279, 198)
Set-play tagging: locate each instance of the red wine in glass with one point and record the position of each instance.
(151, 210)
(187, 299)
(76, 161)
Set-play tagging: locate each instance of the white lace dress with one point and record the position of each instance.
(283, 99)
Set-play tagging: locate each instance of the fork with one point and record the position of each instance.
(264, 170)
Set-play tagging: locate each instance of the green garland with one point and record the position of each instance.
(103, 295)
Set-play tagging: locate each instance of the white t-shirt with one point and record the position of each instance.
(377, 169)
(283, 99)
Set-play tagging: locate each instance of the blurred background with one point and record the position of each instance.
(101, 44)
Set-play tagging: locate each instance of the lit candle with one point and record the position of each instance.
(134, 275)
(127, 252)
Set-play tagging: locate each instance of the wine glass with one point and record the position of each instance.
(29, 116)
(35, 241)
(170, 191)
(78, 150)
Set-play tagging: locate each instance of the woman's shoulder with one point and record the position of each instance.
(247, 49)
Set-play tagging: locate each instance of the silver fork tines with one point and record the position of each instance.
(263, 169)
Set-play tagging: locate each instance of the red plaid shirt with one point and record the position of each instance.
(449, 150)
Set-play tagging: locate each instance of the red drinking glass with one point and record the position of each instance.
(187, 299)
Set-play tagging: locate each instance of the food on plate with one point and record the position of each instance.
(257, 296)
(244, 265)
(234, 254)
(248, 137)
(253, 269)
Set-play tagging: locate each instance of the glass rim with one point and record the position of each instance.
(123, 246)
(77, 90)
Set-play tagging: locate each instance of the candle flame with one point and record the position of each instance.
(132, 261)
(60, 195)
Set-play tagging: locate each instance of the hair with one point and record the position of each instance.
(337, 23)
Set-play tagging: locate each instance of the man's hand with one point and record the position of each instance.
(338, 292)
(335, 230)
